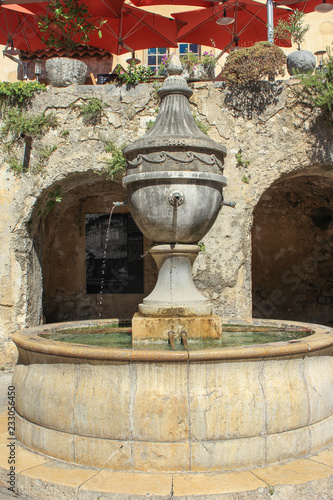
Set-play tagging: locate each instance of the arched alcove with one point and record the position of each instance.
(59, 232)
(292, 249)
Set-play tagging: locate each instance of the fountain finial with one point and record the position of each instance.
(175, 83)
(175, 66)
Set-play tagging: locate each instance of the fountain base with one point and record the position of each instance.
(208, 410)
(158, 327)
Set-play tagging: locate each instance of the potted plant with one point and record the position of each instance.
(66, 25)
(300, 61)
(195, 67)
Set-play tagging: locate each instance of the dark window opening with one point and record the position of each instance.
(116, 263)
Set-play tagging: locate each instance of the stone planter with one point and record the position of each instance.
(301, 62)
(64, 71)
(199, 72)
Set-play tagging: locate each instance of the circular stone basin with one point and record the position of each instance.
(121, 337)
(210, 409)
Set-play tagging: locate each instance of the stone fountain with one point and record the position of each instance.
(212, 409)
(174, 187)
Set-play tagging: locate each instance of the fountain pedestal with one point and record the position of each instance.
(175, 304)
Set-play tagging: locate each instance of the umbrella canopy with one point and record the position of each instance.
(249, 25)
(19, 29)
(194, 3)
(308, 5)
(17, 8)
(136, 29)
(111, 8)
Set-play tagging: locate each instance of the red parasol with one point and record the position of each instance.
(19, 28)
(110, 8)
(193, 3)
(210, 26)
(136, 29)
(308, 5)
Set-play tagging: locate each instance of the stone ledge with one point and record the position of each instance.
(39, 476)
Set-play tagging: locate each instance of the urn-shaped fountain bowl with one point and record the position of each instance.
(174, 175)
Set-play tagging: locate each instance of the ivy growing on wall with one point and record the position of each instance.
(18, 124)
(18, 94)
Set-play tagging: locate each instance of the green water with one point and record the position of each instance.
(122, 338)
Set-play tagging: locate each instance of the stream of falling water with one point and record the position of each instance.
(100, 302)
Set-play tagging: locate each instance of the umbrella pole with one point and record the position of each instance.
(220, 54)
(270, 21)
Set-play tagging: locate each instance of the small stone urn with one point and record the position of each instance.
(174, 184)
(64, 71)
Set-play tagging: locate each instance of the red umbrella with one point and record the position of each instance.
(194, 3)
(110, 8)
(19, 29)
(136, 29)
(248, 24)
(17, 8)
(308, 5)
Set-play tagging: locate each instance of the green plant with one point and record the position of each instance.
(18, 94)
(18, 122)
(117, 163)
(67, 24)
(64, 133)
(317, 89)
(44, 154)
(14, 164)
(202, 247)
(149, 125)
(189, 61)
(240, 161)
(252, 64)
(53, 197)
(134, 74)
(293, 29)
(2, 368)
(201, 125)
(91, 111)
(246, 178)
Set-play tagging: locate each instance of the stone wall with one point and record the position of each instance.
(42, 253)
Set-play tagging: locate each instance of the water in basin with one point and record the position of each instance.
(232, 336)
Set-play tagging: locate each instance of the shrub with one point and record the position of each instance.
(17, 123)
(134, 74)
(318, 88)
(18, 94)
(117, 163)
(91, 111)
(252, 64)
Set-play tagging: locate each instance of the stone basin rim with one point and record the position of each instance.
(321, 339)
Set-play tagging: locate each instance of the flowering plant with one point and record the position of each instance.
(190, 61)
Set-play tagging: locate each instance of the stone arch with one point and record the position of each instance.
(292, 248)
(57, 284)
